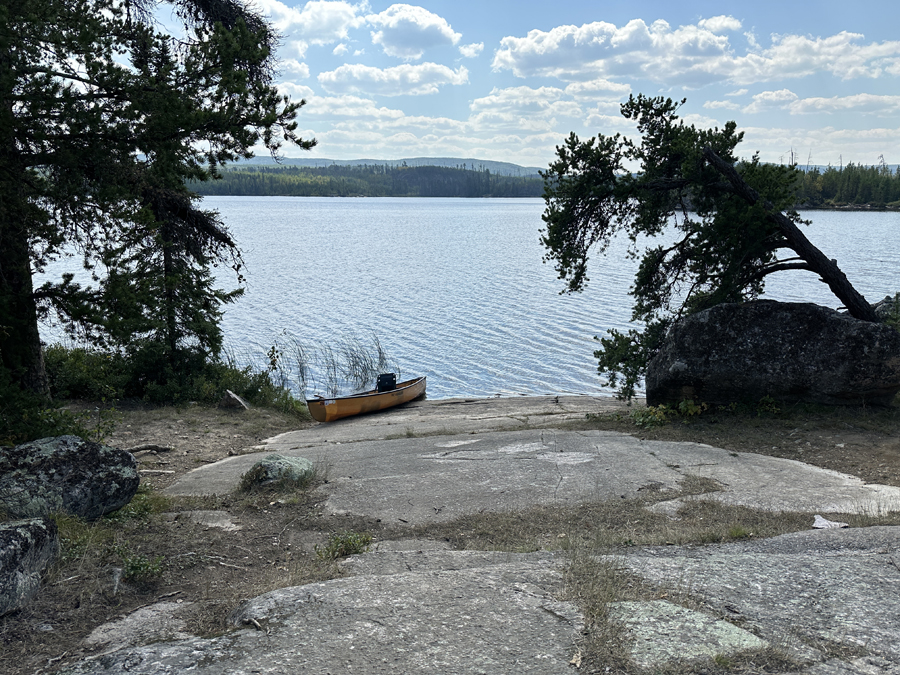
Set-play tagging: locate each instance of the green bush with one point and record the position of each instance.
(343, 544)
(25, 416)
(80, 373)
(147, 372)
(651, 416)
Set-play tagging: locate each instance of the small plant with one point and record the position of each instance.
(767, 406)
(738, 532)
(138, 567)
(144, 503)
(722, 661)
(651, 416)
(342, 544)
(687, 408)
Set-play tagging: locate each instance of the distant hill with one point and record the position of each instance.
(501, 168)
(370, 180)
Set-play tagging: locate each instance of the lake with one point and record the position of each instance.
(455, 289)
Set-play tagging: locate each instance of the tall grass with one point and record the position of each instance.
(349, 365)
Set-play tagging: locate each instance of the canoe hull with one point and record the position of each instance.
(330, 409)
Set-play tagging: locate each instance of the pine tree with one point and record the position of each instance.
(734, 224)
(102, 120)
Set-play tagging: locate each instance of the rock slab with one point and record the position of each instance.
(793, 352)
(664, 632)
(494, 618)
(66, 474)
(27, 548)
(816, 593)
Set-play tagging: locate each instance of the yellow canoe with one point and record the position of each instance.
(330, 409)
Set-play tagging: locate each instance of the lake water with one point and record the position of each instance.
(455, 289)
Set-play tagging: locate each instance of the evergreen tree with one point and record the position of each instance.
(102, 119)
(731, 231)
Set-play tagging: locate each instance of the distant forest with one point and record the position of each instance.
(370, 181)
(851, 186)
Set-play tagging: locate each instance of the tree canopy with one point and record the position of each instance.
(732, 221)
(103, 119)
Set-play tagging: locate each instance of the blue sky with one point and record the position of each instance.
(508, 80)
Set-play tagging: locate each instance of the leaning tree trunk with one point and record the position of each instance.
(827, 269)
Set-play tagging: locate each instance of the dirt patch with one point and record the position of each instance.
(159, 548)
(169, 442)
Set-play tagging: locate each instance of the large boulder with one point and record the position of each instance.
(27, 548)
(789, 351)
(65, 474)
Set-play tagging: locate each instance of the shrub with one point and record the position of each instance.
(343, 544)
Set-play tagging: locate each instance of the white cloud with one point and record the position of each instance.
(827, 145)
(594, 89)
(801, 56)
(493, 121)
(771, 100)
(342, 107)
(867, 104)
(326, 21)
(720, 24)
(295, 67)
(517, 98)
(320, 22)
(296, 92)
(406, 31)
(858, 103)
(607, 124)
(472, 50)
(414, 80)
(726, 105)
(737, 92)
(524, 106)
(340, 50)
(601, 50)
(688, 56)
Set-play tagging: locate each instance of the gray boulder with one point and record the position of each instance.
(789, 351)
(27, 548)
(274, 467)
(889, 308)
(66, 474)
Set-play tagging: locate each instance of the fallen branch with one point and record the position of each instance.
(149, 447)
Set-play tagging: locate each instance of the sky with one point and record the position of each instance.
(508, 80)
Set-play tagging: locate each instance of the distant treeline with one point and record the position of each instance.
(370, 181)
(851, 186)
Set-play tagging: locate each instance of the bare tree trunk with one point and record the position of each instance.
(827, 269)
(20, 340)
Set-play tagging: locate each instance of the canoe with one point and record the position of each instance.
(330, 409)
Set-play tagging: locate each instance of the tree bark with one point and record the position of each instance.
(20, 340)
(827, 269)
